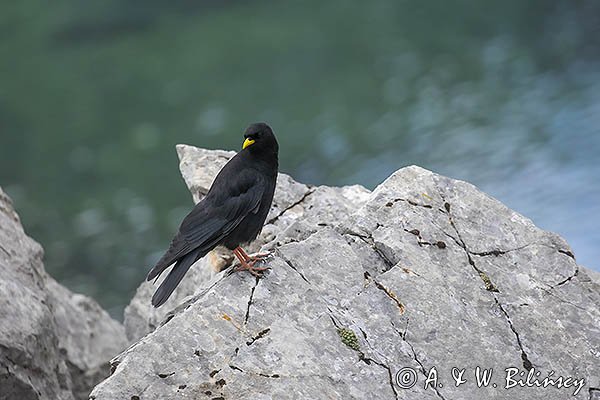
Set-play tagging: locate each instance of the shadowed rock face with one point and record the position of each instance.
(54, 344)
(423, 272)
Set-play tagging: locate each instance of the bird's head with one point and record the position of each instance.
(259, 138)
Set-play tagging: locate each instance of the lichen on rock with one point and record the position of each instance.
(349, 338)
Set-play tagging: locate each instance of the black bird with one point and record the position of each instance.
(232, 212)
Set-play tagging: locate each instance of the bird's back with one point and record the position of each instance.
(237, 191)
(249, 228)
(232, 212)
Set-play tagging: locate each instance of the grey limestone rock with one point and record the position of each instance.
(54, 344)
(425, 272)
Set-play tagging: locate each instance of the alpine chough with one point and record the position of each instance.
(232, 212)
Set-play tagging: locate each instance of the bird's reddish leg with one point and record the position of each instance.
(255, 257)
(247, 262)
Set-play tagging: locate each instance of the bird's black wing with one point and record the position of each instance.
(231, 198)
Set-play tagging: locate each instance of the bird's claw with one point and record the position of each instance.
(248, 262)
(256, 271)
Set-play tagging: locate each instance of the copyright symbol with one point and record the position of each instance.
(406, 378)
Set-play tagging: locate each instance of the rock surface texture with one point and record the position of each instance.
(425, 272)
(54, 344)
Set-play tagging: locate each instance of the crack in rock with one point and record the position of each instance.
(304, 196)
(368, 361)
(235, 368)
(414, 353)
(455, 240)
(259, 335)
(188, 303)
(498, 252)
(362, 356)
(411, 202)
(250, 300)
(333, 321)
(289, 264)
(550, 292)
(568, 253)
(368, 240)
(489, 285)
(568, 279)
(440, 244)
(275, 375)
(423, 371)
(526, 363)
(403, 335)
(388, 292)
(495, 252)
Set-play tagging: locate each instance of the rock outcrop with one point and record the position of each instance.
(54, 344)
(368, 292)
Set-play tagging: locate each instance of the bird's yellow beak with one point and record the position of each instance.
(247, 143)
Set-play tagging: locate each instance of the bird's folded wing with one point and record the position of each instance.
(213, 218)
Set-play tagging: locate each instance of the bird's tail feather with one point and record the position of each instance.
(167, 287)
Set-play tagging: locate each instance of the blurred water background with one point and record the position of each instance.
(94, 95)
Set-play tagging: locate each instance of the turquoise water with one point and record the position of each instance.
(94, 96)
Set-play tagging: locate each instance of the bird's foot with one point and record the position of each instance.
(249, 266)
(247, 262)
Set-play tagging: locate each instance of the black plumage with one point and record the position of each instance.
(232, 212)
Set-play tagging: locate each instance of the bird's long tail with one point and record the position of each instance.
(167, 287)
